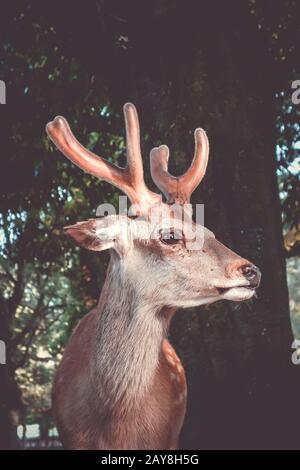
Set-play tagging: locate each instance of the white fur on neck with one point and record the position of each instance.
(129, 340)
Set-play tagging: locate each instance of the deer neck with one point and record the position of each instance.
(128, 340)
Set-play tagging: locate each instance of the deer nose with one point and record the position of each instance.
(251, 273)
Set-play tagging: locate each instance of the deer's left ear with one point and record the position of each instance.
(95, 234)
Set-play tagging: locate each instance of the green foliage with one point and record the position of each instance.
(288, 157)
(45, 284)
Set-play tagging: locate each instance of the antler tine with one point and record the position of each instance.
(134, 157)
(159, 158)
(60, 133)
(195, 174)
(179, 189)
(134, 167)
(129, 179)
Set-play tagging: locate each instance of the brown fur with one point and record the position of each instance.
(153, 421)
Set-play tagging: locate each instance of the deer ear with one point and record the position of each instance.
(94, 234)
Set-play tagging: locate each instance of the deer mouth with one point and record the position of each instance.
(223, 290)
(237, 293)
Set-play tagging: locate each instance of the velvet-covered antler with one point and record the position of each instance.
(179, 189)
(129, 179)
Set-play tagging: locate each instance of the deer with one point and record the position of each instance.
(120, 384)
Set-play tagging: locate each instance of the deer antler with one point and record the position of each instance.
(179, 189)
(129, 179)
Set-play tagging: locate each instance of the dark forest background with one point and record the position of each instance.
(224, 66)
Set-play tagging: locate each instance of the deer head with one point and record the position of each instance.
(161, 266)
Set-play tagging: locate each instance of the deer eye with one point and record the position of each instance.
(171, 236)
